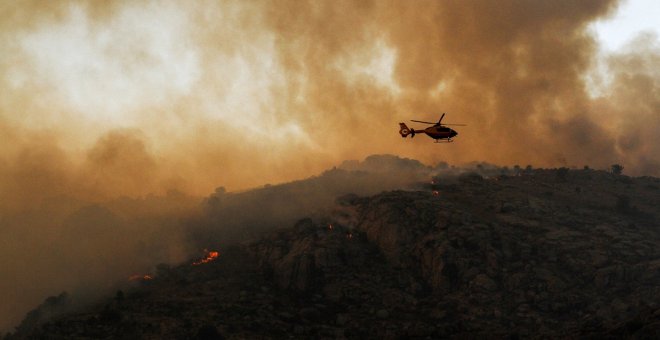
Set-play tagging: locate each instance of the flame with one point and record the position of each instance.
(330, 226)
(140, 277)
(436, 193)
(210, 256)
(349, 236)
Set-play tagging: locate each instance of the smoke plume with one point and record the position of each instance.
(104, 100)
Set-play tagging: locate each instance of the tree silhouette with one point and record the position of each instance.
(617, 169)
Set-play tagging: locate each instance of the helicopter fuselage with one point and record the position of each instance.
(439, 132)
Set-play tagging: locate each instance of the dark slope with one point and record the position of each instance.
(233, 217)
(551, 253)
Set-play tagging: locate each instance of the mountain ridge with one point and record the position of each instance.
(544, 252)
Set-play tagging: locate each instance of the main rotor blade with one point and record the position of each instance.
(443, 116)
(455, 124)
(419, 121)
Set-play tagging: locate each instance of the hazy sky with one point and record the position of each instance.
(105, 98)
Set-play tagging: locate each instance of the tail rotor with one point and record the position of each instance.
(405, 131)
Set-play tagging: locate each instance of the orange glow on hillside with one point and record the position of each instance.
(140, 277)
(210, 256)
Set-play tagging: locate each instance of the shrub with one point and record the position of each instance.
(562, 173)
(470, 177)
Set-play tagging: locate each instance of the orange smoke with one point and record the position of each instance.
(101, 100)
(132, 98)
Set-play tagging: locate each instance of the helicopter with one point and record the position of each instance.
(438, 131)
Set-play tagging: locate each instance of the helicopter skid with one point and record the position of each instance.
(444, 141)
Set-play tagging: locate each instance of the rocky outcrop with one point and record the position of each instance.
(529, 252)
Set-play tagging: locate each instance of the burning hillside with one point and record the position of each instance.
(210, 256)
(557, 253)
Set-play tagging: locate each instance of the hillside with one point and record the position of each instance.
(557, 253)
